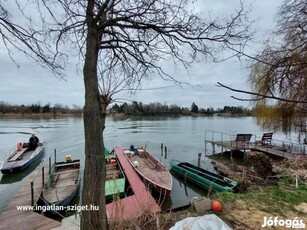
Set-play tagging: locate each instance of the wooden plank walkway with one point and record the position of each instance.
(233, 145)
(131, 206)
(13, 219)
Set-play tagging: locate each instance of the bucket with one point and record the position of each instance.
(68, 158)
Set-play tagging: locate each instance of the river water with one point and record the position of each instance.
(183, 136)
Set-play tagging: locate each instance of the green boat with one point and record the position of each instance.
(115, 180)
(202, 177)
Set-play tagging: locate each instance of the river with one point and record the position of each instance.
(183, 136)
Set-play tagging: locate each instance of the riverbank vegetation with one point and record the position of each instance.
(152, 109)
(134, 109)
(36, 109)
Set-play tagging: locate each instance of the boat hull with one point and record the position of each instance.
(61, 191)
(202, 177)
(11, 167)
(61, 206)
(149, 170)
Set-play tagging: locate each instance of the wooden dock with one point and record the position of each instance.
(131, 206)
(13, 219)
(233, 146)
(276, 148)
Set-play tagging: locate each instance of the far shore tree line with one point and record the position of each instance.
(37, 108)
(135, 108)
(138, 108)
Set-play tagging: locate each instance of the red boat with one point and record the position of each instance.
(153, 173)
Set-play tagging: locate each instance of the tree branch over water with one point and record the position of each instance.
(261, 96)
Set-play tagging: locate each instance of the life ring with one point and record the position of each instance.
(19, 146)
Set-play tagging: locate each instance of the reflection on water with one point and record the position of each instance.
(182, 193)
(183, 137)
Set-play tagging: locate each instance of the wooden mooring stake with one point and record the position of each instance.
(49, 166)
(161, 149)
(43, 179)
(32, 194)
(198, 160)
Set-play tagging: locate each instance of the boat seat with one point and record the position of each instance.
(18, 154)
(64, 172)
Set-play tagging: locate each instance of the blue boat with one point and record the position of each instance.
(22, 157)
(202, 177)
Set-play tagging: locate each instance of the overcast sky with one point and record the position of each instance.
(31, 84)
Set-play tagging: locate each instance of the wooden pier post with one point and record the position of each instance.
(49, 166)
(32, 194)
(205, 147)
(198, 160)
(213, 148)
(222, 145)
(165, 156)
(161, 149)
(54, 156)
(43, 178)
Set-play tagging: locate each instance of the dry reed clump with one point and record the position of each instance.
(149, 221)
(145, 220)
(296, 166)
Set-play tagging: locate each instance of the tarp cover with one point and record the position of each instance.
(206, 222)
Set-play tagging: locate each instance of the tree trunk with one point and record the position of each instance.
(93, 192)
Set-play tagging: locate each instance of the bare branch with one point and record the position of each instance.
(262, 96)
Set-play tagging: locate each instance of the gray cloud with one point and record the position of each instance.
(30, 83)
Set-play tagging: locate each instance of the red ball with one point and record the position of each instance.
(217, 206)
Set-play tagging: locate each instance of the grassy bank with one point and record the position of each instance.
(282, 199)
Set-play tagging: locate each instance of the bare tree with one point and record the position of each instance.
(119, 44)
